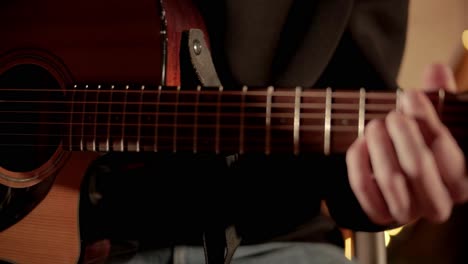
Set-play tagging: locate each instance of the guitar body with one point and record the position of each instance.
(53, 44)
(50, 232)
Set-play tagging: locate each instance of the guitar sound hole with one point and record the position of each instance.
(31, 117)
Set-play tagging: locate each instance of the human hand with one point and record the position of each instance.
(409, 166)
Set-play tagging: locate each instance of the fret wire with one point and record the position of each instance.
(174, 141)
(95, 118)
(242, 120)
(397, 99)
(72, 105)
(139, 119)
(268, 120)
(362, 111)
(440, 103)
(122, 146)
(109, 119)
(83, 117)
(156, 119)
(218, 109)
(195, 120)
(327, 132)
(102, 145)
(297, 119)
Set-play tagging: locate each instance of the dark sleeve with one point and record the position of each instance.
(369, 55)
(342, 203)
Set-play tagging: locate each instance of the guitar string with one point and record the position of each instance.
(278, 92)
(290, 114)
(305, 128)
(306, 92)
(283, 116)
(214, 91)
(306, 115)
(253, 118)
(184, 103)
(147, 142)
(224, 111)
(306, 101)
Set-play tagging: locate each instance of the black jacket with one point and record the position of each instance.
(343, 44)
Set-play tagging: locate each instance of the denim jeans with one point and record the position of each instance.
(268, 253)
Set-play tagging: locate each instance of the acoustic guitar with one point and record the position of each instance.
(82, 78)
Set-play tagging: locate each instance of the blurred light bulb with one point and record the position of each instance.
(348, 249)
(387, 239)
(465, 39)
(394, 232)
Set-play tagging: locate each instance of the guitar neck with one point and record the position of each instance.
(210, 119)
(133, 118)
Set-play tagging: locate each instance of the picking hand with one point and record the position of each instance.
(409, 166)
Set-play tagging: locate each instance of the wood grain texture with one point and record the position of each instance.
(50, 233)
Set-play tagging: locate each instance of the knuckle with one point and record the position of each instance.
(398, 123)
(418, 165)
(413, 169)
(386, 181)
(394, 118)
(412, 126)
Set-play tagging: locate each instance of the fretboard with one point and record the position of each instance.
(208, 119)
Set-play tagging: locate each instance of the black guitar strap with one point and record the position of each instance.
(197, 54)
(219, 242)
(220, 245)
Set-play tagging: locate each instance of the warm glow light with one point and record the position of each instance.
(394, 232)
(387, 239)
(348, 248)
(465, 39)
(390, 233)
